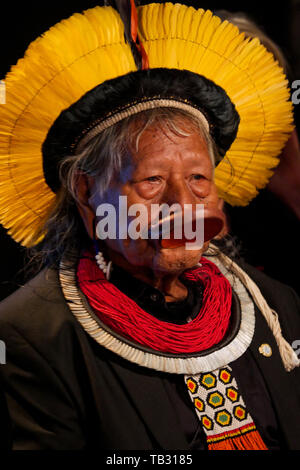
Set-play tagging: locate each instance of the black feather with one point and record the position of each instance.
(124, 9)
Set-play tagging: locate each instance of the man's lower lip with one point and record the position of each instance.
(163, 244)
(212, 227)
(175, 243)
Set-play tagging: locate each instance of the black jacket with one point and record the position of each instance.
(64, 391)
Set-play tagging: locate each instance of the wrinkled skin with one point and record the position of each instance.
(166, 168)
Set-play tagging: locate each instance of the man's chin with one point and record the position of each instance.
(175, 260)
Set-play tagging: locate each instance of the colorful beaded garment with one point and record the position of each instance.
(223, 414)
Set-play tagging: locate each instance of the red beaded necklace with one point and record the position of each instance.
(126, 318)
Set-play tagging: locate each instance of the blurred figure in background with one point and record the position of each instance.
(273, 217)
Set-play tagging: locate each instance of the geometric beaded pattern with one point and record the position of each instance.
(219, 404)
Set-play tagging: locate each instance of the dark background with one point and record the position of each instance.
(22, 22)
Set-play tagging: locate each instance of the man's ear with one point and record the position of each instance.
(221, 204)
(225, 229)
(84, 184)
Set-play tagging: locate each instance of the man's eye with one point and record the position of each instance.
(197, 177)
(153, 179)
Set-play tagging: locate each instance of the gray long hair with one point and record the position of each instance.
(103, 159)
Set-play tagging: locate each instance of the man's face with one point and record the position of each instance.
(169, 169)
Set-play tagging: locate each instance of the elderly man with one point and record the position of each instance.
(125, 339)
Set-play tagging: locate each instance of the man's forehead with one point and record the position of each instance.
(155, 143)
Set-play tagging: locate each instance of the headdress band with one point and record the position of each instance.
(98, 127)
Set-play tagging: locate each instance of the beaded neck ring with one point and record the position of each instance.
(105, 267)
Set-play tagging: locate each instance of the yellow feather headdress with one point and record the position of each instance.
(88, 49)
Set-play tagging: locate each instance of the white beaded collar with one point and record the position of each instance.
(171, 363)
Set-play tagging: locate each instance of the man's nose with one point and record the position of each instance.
(178, 192)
